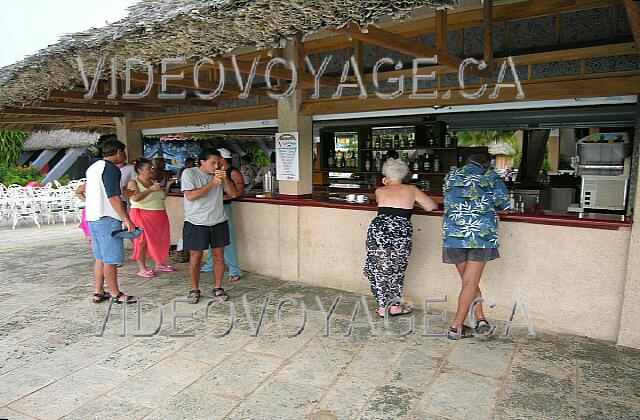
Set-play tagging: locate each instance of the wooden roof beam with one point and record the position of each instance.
(61, 112)
(152, 100)
(390, 41)
(633, 14)
(13, 119)
(99, 107)
(488, 32)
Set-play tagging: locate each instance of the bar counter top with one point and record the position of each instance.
(586, 220)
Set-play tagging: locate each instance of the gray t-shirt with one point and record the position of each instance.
(208, 209)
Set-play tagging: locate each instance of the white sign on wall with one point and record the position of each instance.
(287, 164)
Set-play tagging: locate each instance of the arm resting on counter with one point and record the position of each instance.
(425, 201)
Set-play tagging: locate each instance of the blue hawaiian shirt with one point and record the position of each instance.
(471, 196)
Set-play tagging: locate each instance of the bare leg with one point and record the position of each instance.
(218, 261)
(478, 312)
(98, 277)
(142, 258)
(470, 281)
(111, 276)
(195, 259)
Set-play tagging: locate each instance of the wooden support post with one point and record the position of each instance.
(633, 14)
(441, 30)
(488, 33)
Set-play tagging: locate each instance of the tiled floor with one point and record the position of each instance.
(53, 365)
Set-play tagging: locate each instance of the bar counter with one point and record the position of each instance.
(586, 220)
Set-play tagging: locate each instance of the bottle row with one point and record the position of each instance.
(395, 140)
(426, 162)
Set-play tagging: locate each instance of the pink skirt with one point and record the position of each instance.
(155, 224)
(84, 225)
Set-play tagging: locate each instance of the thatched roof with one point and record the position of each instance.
(156, 29)
(59, 139)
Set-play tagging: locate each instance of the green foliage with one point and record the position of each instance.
(487, 138)
(21, 175)
(11, 146)
(259, 157)
(64, 180)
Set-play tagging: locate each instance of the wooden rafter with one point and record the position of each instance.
(488, 32)
(99, 107)
(150, 99)
(388, 40)
(61, 112)
(12, 119)
(441, 30)
(633, 14)
(459, 20)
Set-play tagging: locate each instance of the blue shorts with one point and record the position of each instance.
(105, 247)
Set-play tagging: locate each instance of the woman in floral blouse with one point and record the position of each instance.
(472, 194)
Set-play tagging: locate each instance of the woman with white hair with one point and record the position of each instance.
(389, 237)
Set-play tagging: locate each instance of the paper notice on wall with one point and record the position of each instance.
(287, 164)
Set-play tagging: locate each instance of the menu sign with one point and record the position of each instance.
(287, 168)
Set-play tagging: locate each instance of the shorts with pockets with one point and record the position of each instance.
(105, 247)
(200, 238)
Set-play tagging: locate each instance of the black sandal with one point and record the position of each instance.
(219, 292)
(128, 300)
(194, 295)
(405, 311)
(486, 327)
(456, 334)
(101, 297)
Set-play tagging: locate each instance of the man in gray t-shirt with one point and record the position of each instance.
(205, 224)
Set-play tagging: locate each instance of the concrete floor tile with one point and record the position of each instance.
(375, 360)
(415, 369)
(106, 407)
(449, 391)
(390, 401)
(609, 380)
(594, 407)
(347, 397)
(194, 404)
(67, 394)
(237, 376)
(277, 400)
(534, 392)
(213, 350)
(12, 357)
(9, 414)
(315, 365)
(146, 391)
(21, 382)
(176, 369)
(544, 360)
(483, 358)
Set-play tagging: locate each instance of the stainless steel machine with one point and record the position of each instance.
(603, 161)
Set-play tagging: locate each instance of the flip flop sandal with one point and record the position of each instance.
(147, 274)
(101, 297)
(128, 300)
(456, 334)
(404, 311)
(194, 296)
(165, 268)
(234, 278)
(219, 292)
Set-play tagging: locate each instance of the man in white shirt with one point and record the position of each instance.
(127, 173)
(105, 214)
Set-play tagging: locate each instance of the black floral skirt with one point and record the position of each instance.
(388, 252)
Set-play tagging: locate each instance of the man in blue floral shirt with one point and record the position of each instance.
(472, 194)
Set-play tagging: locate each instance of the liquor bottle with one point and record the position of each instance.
(367, 164)
(431, 140)
(331, 161)
(376, 141)
(537, 206)
(378, 162)
(521, 208)
(403, 140)
(343, 160)
(512, 202)
(447, 140)
(416, 164)
(436, 163)
(427, 163)
(368, 143)
(454, 140)
(387, 141)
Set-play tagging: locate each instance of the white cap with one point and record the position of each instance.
(225, 153)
